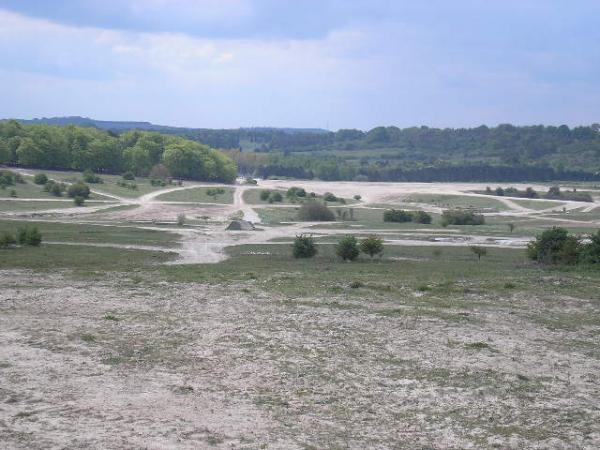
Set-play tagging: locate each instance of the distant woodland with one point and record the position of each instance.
(89, 148)
(502, 153)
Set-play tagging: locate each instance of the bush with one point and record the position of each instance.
(131, 186)
(304, 247)
(461, 217)
(181, 219)
(315, 212)
(357, 197)
(91, 177)
(591, 252)
(479, 251)
(29, 236)
(13, 193)
(275, 197)
(372, 245)
(421, 217)
(397, 215)
(264, 195)
(555, 246)
(40, 178)
(214, 192)
(329, 197)
(295, 192)
(78, 200)
(78, 189)
(7, 240)
(57, 189)
(249, 180)
(129, 176)
(347, 248)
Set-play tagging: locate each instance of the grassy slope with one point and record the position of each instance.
(199, 195)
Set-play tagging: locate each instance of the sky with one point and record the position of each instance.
(303, 63)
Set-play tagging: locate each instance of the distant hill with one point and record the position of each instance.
(116, 125)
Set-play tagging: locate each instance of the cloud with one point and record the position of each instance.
(439, 66)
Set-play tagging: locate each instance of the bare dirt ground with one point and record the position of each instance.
(128, 362)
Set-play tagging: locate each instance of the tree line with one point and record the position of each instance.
(82, 148)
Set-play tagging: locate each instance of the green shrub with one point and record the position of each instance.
(421, 217)
(13, 193)
(264, 195)
(275, 197)
(304, 247)
(347, 248)
(40, 178)
(312, 211)
(461, 217)
(250, 180)
(29, 236)
(129, 176)
(372, 245)
(7, 240)
(78, 200)
(397, 215)
(357, 197)
(555, 246)
(78, 189)
(591, 252)
(214, 192)
(479, 251)
(91, 177)
(329, 197)
(294, 192)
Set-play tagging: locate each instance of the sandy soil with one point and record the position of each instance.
(133, 363)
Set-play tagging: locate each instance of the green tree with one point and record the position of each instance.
(479, 251)
(372, 245)
(78, 189)
(304, 247)
(347, 248)
(555, 246)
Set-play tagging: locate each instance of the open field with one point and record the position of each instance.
(198, 195)
(125, 329)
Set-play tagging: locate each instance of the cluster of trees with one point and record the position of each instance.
(25, 236)
(401, 216)
(554, 193)
(84, 148)
(348, 248)
(557, 246)
(461, 217)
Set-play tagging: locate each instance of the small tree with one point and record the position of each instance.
(79, 189)
(555, 246)
(304, 247)
(479, 251)
(129, 176)
(312, 211)
(347, 248)
(91, 177)
(181, 219)
(421, 217)
(357, 197)
(276, 197)
(372, 245)
(511, 227)
(7, 240)
(40, 178)
(264, 195)
(78, 200)
(29, 236)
